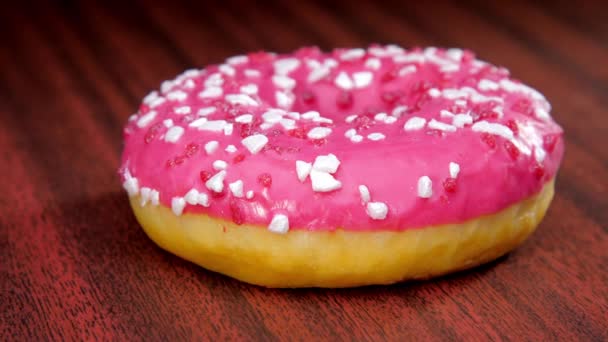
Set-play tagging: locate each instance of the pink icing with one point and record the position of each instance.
(495, 170)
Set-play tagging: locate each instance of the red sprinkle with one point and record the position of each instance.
(144, 108)
(390, 75)
(390, 97)
(512, 150)
(308, 97)
(523, 106)
(449, 184)
(344, 100)
(238, 215)
(191, 149)
(513, 126)
(265, 179)
(319, 142)
(152, 132)
(549, 142)
(205, 175)
(539, 171)
(238, 158)
(299, 133)
(489, 139)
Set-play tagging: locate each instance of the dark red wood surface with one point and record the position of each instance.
(74, 263)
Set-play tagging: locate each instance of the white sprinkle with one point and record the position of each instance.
(279, 224)
(318, 73)
(245, 118)
(414, 123)
(210, 125)
(434, 92)
(168, 123)
(438, 125)
(356, 138)
(284, 99)
(241, 99)
(182, 110)
(198, 122)
(352, 54)
(454, 170)
(376, 136)
(294, 115)
(153, 95)
(266, 125)
(323, 181)
(235, 60)
(539, 154)
(425, 187)
(328, 163)
(189, 84)
(211, 146)
(493, 128)
(154, 197)
(310, 115)
(157, 102)
(330, 63)
(144, 196)
(177, 205)
(249, 89)
(206, 111)
(191, 197)
(362, 79)
(460, 102)
(272, 116)
(133, 117)
(350, 118)
(255, 143)
(285, 66)
(283, 82)
(446, 114)
(227, 69)
(449, 67)
(177, 95)
(146, 119)
(462, 119)
(230, 149)
(452, 94)
(455, 54)
(398, 111)
(380, 116)
(373, 63)
(249, 194)
(214, 80)
(211, 92)
(343, 81)
(377, 210)
(542, 114)
(216, 183)
(323, 120)
(390, 120)
(202, 199)
(487, 85)
(350, 133)
(303, 169)
(236, 188)
(319, 132)
(174, 133)
(252, 73)
(406, 70)
(364, 192)
(288, 124)
(131, 185)
(228, 129)
(219, 165)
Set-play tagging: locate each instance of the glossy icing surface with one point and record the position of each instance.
(407, 138)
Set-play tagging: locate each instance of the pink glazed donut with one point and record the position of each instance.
(355, 167)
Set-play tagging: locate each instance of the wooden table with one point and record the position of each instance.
(76, 265)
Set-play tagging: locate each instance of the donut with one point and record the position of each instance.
(345, 168)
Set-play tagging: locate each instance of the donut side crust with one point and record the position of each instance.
(341, 258)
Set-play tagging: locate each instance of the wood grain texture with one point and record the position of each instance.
(76, 266)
